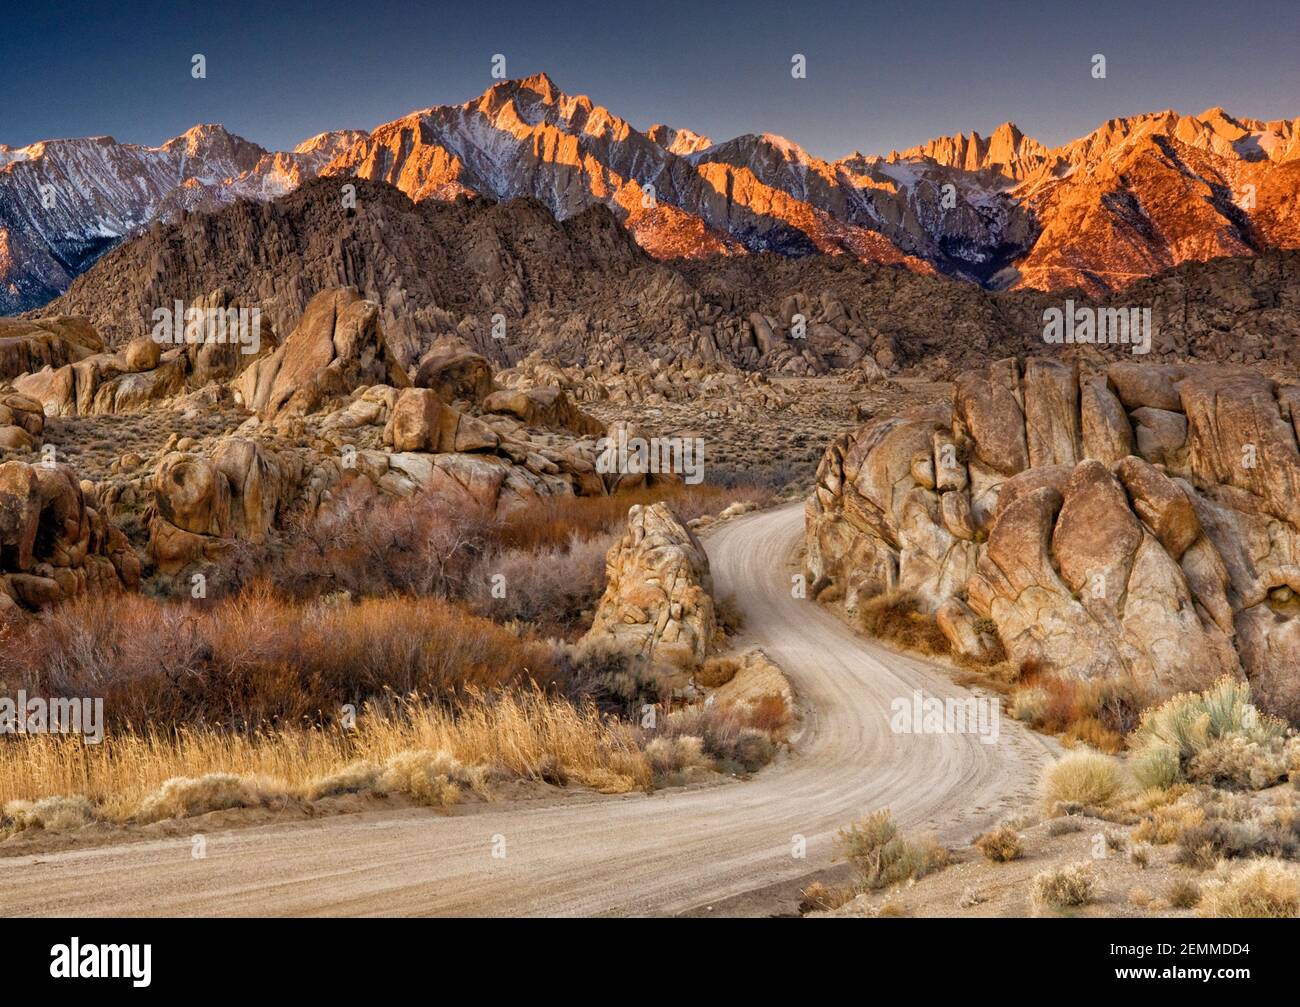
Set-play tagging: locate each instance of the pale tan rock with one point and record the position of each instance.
(658, 596)
(338, 346)
(455, 374)
(141, 354)
(988, 405)
(1051, 393)
(1106, 431)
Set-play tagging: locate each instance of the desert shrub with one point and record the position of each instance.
(1001, 845)
(882, 857)
(717, 671)
(552, 586)
(1239, 761)
(896, 616)
(753, 749)
(730, 616)
(677, 754)
(1216, 736)
(1166, 824)
(183, 797)
(1205, 843)
(614, 680)
(1063, 887)
(1140, 856)
(769, 714)
(1156, 766)
(1064, 826)
(53, 813)
(1260, 888)
(1183, 893)
(353, 778)
(1084, 778)
(727, 734)
(258, 659)
(820, 898)
(436, 778)
(424, 545)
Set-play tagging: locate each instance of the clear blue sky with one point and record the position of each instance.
(880, 75)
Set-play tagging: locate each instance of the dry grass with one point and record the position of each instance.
(820, 898)
(882, 857)
(717, 671)
(1183, 893)
(1063, 887)
(896, 616)
(1001, 845)
(1084, 778)
(1260, 888)
(134, 775)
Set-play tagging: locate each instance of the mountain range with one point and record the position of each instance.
(1136, 196)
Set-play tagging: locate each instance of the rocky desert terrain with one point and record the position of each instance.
(370, 479)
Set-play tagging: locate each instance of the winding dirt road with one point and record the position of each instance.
(663, 853)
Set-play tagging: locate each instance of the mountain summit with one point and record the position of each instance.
(1135, 196)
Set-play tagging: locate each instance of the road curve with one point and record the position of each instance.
(639, 854)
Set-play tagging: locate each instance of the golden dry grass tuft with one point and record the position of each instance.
(1267, 887)
(1063, 887)
(896, 616)
(404, 748)
(1001, 844)
(1084, 778)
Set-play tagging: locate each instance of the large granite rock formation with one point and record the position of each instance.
(1143, 520)
(54, 542)
(658, 596)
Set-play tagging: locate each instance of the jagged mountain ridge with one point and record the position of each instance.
(1141, 194)
(1136, 196)
(581, 291)
(64, 202)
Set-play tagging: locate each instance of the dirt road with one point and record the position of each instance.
(640, 854)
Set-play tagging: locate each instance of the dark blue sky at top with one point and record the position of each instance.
(880, 75)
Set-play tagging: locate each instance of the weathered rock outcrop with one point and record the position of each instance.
(21, 421)
(1037, 504)
(338, 346)
(47, 342)
(140, 373)
(658, 596)
(54, 543)
(543, 407)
